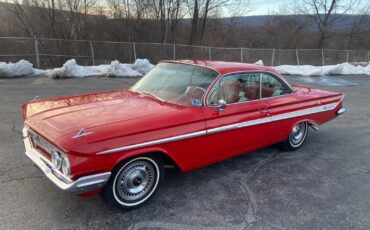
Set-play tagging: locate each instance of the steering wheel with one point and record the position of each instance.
(203, 91)
(253, 79)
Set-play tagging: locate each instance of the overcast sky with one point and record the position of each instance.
(262, 7)
(259, 7)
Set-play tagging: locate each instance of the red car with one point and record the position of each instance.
(186, 113)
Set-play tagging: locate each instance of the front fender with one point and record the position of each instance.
(86, 164)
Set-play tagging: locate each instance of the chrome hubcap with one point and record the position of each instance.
(136, 180)
(298, 133)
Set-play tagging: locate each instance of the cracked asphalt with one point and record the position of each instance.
(325, 185)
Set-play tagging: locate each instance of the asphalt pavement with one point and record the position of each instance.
(324, 185)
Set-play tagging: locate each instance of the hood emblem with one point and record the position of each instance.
(36, 98)
(82, 133)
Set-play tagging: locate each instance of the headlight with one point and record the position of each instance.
(66, 168)
(56, 160)
(60, 162)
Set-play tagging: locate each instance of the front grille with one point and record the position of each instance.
(41, 143)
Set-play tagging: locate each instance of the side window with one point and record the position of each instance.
(272, 87)
(237, 88)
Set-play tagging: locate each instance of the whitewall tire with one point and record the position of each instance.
(134, 181)
(296, 137)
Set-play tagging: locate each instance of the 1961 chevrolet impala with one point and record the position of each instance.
(186, 113)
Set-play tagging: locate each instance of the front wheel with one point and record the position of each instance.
(133, 182)
(296, 137)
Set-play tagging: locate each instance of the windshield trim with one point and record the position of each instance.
(151, 95)
(184, 63)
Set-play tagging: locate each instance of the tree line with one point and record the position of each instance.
(336, 24)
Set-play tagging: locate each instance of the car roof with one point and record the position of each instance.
(224, 67)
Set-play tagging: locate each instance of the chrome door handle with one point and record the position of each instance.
(265, 111)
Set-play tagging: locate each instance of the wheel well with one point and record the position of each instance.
(301, 121)
(167, 161)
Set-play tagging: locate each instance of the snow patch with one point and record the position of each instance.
(20, 68)
(123, 70)
(115, 69)
(37, 72)
(72, 69)
(259, 62)
(143, 66)
(309, 70)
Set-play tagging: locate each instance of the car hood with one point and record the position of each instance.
(116, 111)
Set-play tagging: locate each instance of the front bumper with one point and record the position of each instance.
(81, 185)
(341, 111)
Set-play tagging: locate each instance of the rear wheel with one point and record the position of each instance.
(296, 137)
(133, 182)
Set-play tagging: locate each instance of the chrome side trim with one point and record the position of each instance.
(155, 142)
(82, 184)
(239, 125)
(312, 110)
(317, 109)
(284, 116)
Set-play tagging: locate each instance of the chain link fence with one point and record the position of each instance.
(49, 53)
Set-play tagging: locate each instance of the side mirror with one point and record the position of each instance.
(221, 105)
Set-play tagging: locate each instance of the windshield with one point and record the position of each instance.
(178, 83)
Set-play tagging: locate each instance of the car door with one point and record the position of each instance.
(280, 103)
(241, 126)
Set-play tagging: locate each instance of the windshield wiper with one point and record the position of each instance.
(147, 93)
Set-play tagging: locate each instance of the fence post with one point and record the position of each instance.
(134, 50)
(367, 56)
(322, 57)
(209, 53)
(347, 55)
(241, 54)
(37, 52)
(92, 52)
(273, 57)
(296, 54)
(174, 51)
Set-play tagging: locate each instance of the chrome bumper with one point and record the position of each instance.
(341, 111)
(81, 185)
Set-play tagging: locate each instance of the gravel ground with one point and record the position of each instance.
(325, 185)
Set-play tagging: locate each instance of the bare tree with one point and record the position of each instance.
(339, 24)
(201, 10)
(24, 18)
(55, 18)
(325, 13)
(359, 30)
(284, 31)
(167, 13)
